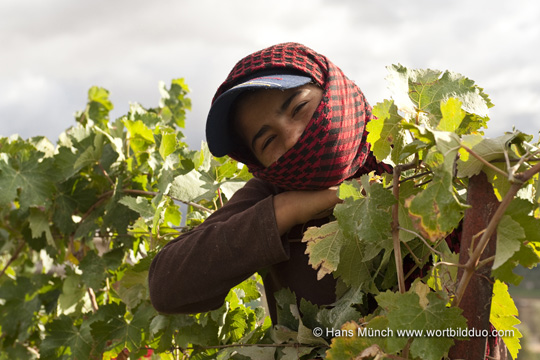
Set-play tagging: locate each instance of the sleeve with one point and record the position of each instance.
(195, 272)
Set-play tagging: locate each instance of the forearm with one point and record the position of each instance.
(298, 207)
(195, 272)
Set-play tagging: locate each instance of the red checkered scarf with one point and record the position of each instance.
(333, 146)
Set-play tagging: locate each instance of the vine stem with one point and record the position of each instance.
(152, 193)
(485, 162)
(474, 260)
(395, 223)
(295, 345)
(105, 195)
(93, 301)
(13, 257)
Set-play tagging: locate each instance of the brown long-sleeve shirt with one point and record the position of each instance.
(194, 272)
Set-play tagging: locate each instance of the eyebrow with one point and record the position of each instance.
(282, 109)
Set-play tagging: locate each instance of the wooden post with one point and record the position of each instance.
(476, 302)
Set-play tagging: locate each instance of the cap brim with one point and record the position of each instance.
(218, 135)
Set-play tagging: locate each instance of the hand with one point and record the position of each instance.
(297, 207)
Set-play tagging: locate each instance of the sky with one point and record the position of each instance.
(53, 51)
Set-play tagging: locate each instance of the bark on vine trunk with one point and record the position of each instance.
(476, 301)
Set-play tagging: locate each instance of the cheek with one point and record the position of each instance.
(274, 153)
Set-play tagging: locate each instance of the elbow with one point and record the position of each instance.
(166, 301)
(178, 298)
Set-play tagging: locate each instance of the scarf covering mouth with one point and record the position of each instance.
(333, 146)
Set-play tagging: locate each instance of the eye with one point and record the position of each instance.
(299, 107)
(268, 141)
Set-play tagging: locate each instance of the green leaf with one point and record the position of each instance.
(230, 187)
(425, 89)
(509, 234)
(285, 298)
(342, 310)
(188, 187)
(72, 292)
(367, 216)
(503, 316)
(420, 309)
(168, 142)
(489, 150)
(17, 312)
(407, 190)
(140, 135)
(174, 101)
(139, 204)
(384, 129)
(452, 115)
(364, 222)
(92, 154)
(257, 352)
(39, 224)
(114, 327)
(32, 177)
(99, 104)
(93, 270)
(133, 288)
(62, 334)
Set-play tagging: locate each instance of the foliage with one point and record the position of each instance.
(81, 221)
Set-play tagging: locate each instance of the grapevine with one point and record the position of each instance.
(82, 219)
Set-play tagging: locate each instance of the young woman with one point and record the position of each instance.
(298, 123)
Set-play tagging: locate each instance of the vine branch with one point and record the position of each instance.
(13, 257)
(395, 222)
(485, 162)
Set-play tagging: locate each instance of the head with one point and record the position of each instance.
(292, 117)
(269, 122)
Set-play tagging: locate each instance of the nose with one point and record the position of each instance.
(292, 134)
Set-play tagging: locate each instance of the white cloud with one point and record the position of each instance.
(60, 48)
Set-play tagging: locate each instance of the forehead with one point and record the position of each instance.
(252, 107)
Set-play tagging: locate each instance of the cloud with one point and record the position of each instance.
(54, 51)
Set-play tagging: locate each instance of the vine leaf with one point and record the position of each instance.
(355, 341)
(122, 333)
(427, 312)
(424, 89)
(489, 150)
(384, 129)
(364, 222)
(188, 187)
(436, 211)
(33, 177)
(323, 247)
(503, 316)
(39, 224)
(509, 233)
(62, 334)
(452, 115)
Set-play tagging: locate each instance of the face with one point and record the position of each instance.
(271, 121)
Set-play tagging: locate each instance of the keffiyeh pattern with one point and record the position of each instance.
(333, 146)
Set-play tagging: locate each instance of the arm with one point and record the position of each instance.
(194, 272)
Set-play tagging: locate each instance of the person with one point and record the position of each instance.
(298, 123)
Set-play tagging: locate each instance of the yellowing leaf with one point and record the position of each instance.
(452, 115)
(384, 129)
(323, 247)
(436, 211)
(503, 316)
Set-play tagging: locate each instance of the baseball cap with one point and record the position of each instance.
(220, 140)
